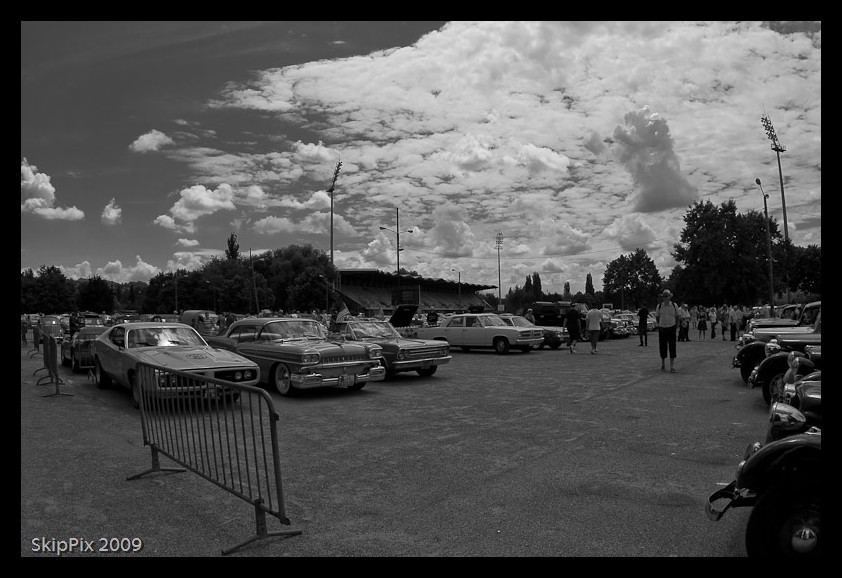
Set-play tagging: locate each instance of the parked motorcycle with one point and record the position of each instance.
(782, 482)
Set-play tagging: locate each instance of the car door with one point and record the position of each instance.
(474, 333)
(455, 331)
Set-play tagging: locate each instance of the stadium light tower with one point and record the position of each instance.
(778, 148)
(499, 244)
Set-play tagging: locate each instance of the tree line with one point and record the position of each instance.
(721, 258)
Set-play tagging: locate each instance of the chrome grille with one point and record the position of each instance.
(422, 352)
(345, 359)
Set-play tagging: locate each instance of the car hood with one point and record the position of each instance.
(191, 357)
(766, 334)
(403, 341)
(403, 315)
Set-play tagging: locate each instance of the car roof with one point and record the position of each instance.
(151, 325)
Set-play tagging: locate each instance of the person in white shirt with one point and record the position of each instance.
(594, 322)
(666, 314)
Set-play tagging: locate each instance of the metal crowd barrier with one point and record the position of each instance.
(226, 433)
(51, 365)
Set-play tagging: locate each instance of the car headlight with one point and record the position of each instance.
(402, 353)
(783, 414)
(376, 352)
(772, 348)
(311, 358)
(793, 360)
(444, 350)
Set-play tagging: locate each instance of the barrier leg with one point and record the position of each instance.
(156, 467)
(260, 521)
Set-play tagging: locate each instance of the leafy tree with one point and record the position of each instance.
(232, 253)
(528, 289)
(536, 287)
(589, 285)
(95, 295)
(807, 269)
(567, 291)
(52, 291)
(721, 255)
(632, 280)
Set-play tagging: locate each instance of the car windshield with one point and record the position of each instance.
(373, 329)
(293, 329)
(518, 321)
(164, 337)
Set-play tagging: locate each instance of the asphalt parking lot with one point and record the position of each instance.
(538, 454)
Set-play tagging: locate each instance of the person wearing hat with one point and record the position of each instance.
(666, 315)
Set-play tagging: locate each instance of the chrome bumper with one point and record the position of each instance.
(415, 364)
(316, 380)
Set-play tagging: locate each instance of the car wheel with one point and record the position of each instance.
(134, 386)
(428, 372)
(501, 345)
(282, 381)
(774, 389)
(787, 521)
(103, 380)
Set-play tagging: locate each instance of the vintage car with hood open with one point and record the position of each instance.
(400, 354)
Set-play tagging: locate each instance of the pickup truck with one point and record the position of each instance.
(480, 330)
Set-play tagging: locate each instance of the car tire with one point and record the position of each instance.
(745, 372)
(501, 345)
(773, 390)
(428, 371)
(103, 380)
(786, 515)
(134, 387)
(282, 381)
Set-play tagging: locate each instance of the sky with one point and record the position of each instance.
(493, 150)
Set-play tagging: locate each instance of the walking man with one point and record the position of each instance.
(666, 313)
(642, 317)
(594, 321)
(573, 323)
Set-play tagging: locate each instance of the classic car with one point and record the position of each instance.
(400, 354)
(783, 482)
(204, 321)
(769, 374)
(296, 353)
(172, 346)
(51, 326)
(618, 326)
(799, 411)
(751, 349)
(77, 351)
(554, 337)
(796, 315)
(481, 330)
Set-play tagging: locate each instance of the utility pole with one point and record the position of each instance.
(499, 244)
(769, 250)
(397, 233)
(460, 287)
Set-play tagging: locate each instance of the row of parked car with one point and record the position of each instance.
(781, 478)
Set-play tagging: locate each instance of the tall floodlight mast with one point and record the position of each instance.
(499, 244)
(778, 148)
(330, 190)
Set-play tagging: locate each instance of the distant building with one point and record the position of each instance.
(371, 292)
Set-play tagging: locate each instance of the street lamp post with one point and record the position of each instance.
(214, 295)
(460, 287)
(397, 232)
(769, 249)
(499, 244)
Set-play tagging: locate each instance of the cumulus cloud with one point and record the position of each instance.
(112, 214)
(38, 196)
(152, 141)
(195, 202)
(645, 147)
(187, 243)
(631, 232)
